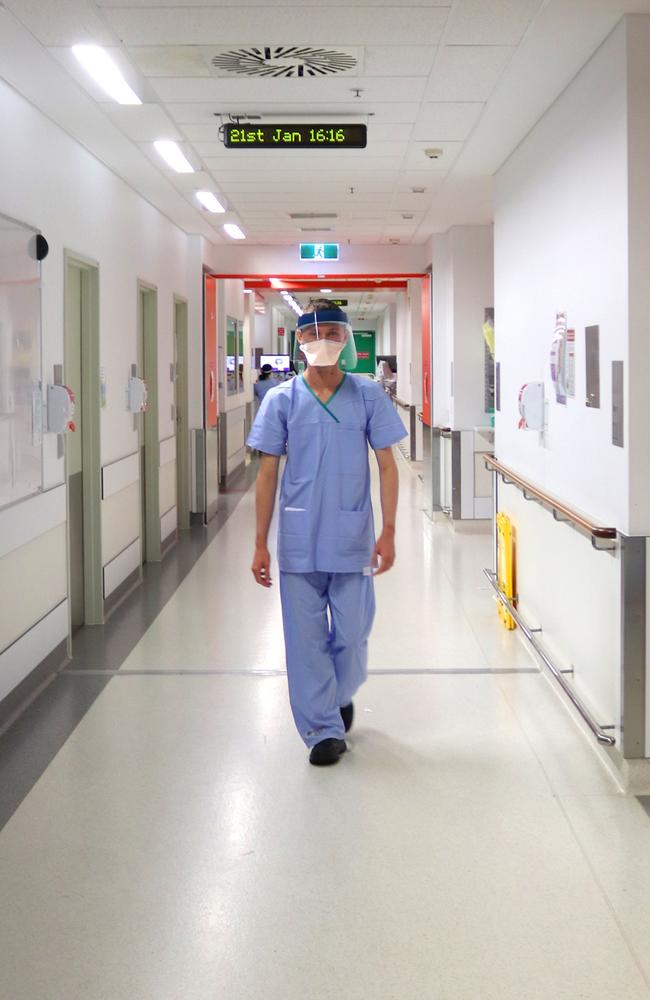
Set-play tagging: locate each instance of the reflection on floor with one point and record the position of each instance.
(470, 846)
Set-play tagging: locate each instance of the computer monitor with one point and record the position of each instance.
(278, 362)
(391, 359)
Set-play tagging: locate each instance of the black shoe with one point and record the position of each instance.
(327, 752)
(347, 714)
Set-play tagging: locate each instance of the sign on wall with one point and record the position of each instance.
(319, 251)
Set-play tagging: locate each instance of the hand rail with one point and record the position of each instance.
(598, 731)
(560, 510)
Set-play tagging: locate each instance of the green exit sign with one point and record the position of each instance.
(319, 251)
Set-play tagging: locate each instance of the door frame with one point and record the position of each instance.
(151, 433)
(182, 412)
(91, 442)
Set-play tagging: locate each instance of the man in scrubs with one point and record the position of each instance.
(324, 421)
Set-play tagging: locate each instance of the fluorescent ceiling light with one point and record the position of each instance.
(326, 290)
(172, 155)
(234, 231)
(103, 70)
(209, 201)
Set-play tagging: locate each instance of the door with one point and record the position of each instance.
(82, 446)
(139, 418)
(74, 448)
(180, 411)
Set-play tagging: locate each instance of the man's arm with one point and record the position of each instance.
(265, 488)
(384, 552)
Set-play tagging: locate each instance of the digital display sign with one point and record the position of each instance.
(295, 137)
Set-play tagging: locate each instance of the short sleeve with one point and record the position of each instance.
(269, 431)
(384, 426)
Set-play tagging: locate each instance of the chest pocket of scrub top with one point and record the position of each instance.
(352, 467)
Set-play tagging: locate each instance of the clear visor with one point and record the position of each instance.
(333, 331)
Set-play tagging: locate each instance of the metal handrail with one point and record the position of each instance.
(560, 510)
(598, 731)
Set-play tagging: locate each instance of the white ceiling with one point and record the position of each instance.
(468, 76)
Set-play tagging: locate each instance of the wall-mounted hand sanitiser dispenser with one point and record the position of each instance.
(137, 395)
(60, 409)
(531, 406)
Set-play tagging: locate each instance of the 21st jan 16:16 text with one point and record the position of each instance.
(280, 136)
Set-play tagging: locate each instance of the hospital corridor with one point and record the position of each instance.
(324, 500)
(178, 845)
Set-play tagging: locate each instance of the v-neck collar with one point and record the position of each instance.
(327, 404)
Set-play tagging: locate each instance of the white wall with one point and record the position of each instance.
(473, 290)
(638, 396)
(262, 335)
(561, 244)
(442, 324)
(463, 286)
(51, 182)
(358, 259)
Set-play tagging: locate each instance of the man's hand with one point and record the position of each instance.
(383, 555)
(262, 566)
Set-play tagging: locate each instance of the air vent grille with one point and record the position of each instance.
(282, 61)
(313, 215)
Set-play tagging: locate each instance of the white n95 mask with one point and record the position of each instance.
(322, 353)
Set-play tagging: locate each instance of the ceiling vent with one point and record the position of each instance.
(313, 215)
(282, 61)
(315, 229)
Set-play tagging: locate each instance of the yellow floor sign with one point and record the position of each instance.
(506, 566)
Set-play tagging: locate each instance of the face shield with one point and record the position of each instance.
(324, 338)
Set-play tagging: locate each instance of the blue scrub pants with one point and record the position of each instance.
(327, 656)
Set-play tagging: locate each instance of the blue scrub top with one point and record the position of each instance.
(325, 521)
(262, 386)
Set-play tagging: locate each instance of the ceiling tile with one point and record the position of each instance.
(278, 25)
(71, 23)
(338, 164)
(169, 60)
(398, 60)
(237, 90)
(490, 22)
(220, 4)
(143, 123)
(450, 121)
(467, 72)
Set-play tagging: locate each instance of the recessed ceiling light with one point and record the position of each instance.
(234, 231)
(103, 70)
(325, 291)
(173, 156)
(209, 201)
